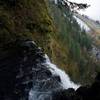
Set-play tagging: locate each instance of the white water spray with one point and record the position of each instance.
(56, 1)
(65, 80)
(42, 89)
(82, 24)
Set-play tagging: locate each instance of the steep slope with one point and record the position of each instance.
(55, 31)
(22, 63)
(70, 48)
(24, 19)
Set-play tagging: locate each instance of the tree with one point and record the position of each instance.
(73, 5)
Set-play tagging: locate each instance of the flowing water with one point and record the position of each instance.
(65, 80)
(44, 86)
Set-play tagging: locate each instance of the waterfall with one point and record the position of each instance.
(44, 85)
(56, 1)
(82, 24)
(65, 79)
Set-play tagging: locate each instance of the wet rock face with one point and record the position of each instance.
(83, 93)
(68, 94)
(14, 71)
(90, 92)
(23, 68)
(24, 75)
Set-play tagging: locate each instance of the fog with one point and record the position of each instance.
(93, 11)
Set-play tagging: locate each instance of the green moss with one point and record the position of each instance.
(24, 19)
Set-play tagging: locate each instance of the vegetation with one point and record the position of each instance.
(75, 45)
(24, 19)
(54, 29)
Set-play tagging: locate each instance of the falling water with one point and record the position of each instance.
(65, 80)
(45, 93)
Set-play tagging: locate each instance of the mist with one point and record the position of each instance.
(93, 11)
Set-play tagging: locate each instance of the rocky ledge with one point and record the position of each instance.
(83, 93)
(23, 69)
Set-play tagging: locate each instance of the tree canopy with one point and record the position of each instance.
(74, 5)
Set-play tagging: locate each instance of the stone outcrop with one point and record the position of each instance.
(22, 68)
(83, 93)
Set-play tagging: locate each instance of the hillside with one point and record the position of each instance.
(56, 32)
(75, 45)
(26, 19)
(31, 32)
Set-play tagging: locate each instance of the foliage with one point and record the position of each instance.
(60, 36)
(73, 5)
(75, 45)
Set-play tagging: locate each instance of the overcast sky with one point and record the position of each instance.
(93, 11)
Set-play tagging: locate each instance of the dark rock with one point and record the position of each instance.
(16, 74)
(82, 93)
(57, 78)
(90, 92)
(22, 68)
(98, 77)
(64, 94)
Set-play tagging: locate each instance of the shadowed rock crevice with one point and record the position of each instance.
(21, 69)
